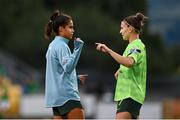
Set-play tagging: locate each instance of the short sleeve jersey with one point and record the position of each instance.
(132, 81)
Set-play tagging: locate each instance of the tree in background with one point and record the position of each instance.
(22, 24)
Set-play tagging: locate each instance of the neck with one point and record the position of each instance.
(133, 37)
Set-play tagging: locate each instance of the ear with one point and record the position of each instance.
(131, 29)
(60, 28)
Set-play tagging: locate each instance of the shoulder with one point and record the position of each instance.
(138, 45)
(59, 45)
(135, 47)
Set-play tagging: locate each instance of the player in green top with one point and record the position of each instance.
(131, 76)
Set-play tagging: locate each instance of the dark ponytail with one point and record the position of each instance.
(48, 30)
(56, 19)
(137, 21)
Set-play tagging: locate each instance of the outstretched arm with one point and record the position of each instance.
(126, 61)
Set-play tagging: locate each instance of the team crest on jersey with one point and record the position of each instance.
(134, 51)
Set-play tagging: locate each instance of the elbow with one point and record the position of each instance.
(129, 63)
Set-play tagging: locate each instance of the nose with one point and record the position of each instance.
(73, 31)
(120, 32)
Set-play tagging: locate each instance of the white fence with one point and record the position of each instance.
(32, 106)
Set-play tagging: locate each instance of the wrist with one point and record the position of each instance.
(109, 51)
(78, 43)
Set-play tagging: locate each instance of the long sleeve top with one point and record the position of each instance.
(61, 82)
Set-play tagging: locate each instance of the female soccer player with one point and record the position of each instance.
(131, 76)
(61, 87)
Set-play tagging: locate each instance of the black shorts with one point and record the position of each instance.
(66, 108)
(129, 105)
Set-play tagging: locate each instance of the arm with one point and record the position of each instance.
(126, 61)
(69, 62)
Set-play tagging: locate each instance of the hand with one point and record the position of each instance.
(78, 42)
(82, 78)
(116, 74)
(77, 39)
(102, 47)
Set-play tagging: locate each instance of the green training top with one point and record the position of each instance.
(132, 81)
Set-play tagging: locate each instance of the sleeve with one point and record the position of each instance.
(67, 60)
(134, 53)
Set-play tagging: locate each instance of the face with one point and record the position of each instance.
(125, 30)
(68, 30)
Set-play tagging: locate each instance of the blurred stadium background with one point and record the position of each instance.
(23, 48)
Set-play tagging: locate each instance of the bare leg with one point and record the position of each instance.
(76, 113)
(123, 115)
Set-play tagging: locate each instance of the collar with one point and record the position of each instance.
(62, 38)
(135, 40)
